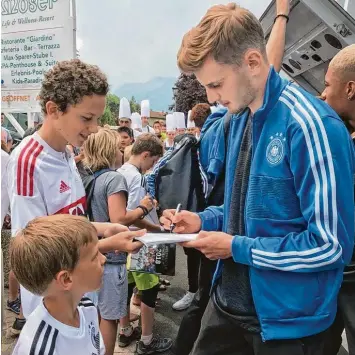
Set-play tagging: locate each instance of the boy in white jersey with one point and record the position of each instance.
(42, 175)
(58, 258)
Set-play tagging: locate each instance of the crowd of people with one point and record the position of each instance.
(272, 270)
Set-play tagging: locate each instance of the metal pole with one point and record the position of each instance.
(14, 122)
(30, 119)
(73, 6)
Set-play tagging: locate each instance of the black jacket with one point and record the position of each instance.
(179, 181)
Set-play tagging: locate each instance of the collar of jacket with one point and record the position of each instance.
(273, 89)
(211, 119)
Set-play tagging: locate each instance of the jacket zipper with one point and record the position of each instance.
(246, 226)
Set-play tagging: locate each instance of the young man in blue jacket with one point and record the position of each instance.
(286, 229)
(212, 159)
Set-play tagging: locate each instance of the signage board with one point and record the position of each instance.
(36, 34)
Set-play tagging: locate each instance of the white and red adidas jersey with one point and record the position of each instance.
(42, 182)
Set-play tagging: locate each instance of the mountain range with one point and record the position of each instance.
(158, 91)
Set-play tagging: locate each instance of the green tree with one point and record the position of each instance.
(111, 112)
(189, 92)
(135, 106)
(112, 109)
(107, 117)
(113, 102)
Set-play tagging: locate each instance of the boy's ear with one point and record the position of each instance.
(64, 280)
(145, 155)
(52, 109)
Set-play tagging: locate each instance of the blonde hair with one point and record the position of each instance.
(127, 153)
(100, 149)
(344, 63)
(46, 246)
(226, 32)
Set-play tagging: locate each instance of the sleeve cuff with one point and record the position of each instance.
(212, 219)
(208, 219)
(241, 249)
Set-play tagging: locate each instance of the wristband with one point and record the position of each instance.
(282, 15)
(145, 211)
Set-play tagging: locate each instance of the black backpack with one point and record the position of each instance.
(179, 181)
(89, 179)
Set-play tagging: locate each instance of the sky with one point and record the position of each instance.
(136, 40)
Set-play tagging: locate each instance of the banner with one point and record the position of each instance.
(36, 34)
(31, 15)
(20, 100)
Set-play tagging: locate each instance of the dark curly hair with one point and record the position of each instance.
(199, 114)
(69, 81)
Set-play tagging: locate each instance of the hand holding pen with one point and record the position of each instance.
(172, 225)
(181, 221)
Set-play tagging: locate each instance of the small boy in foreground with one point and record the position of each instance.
(58, 258)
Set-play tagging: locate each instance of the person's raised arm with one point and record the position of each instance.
(275, 46)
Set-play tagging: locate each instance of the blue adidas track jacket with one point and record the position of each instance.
(299, 212)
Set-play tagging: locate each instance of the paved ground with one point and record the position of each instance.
(167, 321)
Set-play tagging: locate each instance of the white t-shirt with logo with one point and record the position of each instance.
(41, 182)
(43, 334)
(136, 184)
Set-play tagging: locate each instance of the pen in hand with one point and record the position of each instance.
(178, 209)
